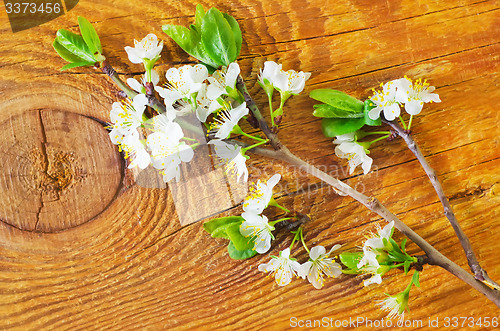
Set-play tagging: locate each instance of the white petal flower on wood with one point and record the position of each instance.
(146, 49)
(282, 267)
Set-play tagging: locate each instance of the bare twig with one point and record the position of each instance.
(479, 272)
(273, 137)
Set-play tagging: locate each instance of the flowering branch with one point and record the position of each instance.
(479, 273)
(433, 255)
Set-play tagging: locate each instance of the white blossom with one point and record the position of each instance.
(395, 305)
(221, 80)
(355, 154)
(257, 228)
(226, 120)
(290, 82)
(385, 101)
(260, 195)
(414, 94)
(182, 83)
(282, 267)
(232, 158)
(135, 150)
(166, 149)
(126, 117)
(320, 264)
(147, 49)
(268, 76)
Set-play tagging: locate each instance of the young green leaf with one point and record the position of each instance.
(240, 242)
(239, 255)
(199, 14)
(235, 27)
(217, 227)
(351, 259)
(77, 64)
(218, 38)
(337, 126)
(89, 35)
(325, 110)
(65, 54)
(75, 44)
(415, 279)
(337, 99)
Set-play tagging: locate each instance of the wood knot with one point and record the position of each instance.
(59, 170)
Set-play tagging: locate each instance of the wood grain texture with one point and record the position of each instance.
(82, 246)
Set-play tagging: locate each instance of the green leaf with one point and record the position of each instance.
(217, 227)
(199, 14)
(403, 245)
(75, 44)
(351, 259)
(64, 53)
(218, 38)
(190, 41)
(235, 27)
(368, 121)
(324, 110)
(339, 100)
(240, 242)
(415, 279)
(337, 126)
(406, 265)
(89, 35)
(239, 255)
(183, 36)
(77, 64)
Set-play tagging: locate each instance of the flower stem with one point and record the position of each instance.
(303, 242)
(402, 122)
(298, 234)
(409, 123)
(378, 139)
(273, 137)
(472, 260)
(238, 130)
(271, 109)
(275, 204)
(255, 145)
(377, 132)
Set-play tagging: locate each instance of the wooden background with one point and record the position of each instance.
(83, 247)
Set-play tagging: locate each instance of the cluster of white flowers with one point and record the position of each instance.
(189, 90)
(399, 92)
(286, 82)
(373, 253)
(257, 226)
(283, 267)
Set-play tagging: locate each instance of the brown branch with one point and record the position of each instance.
(477, 270)
(273, 137)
